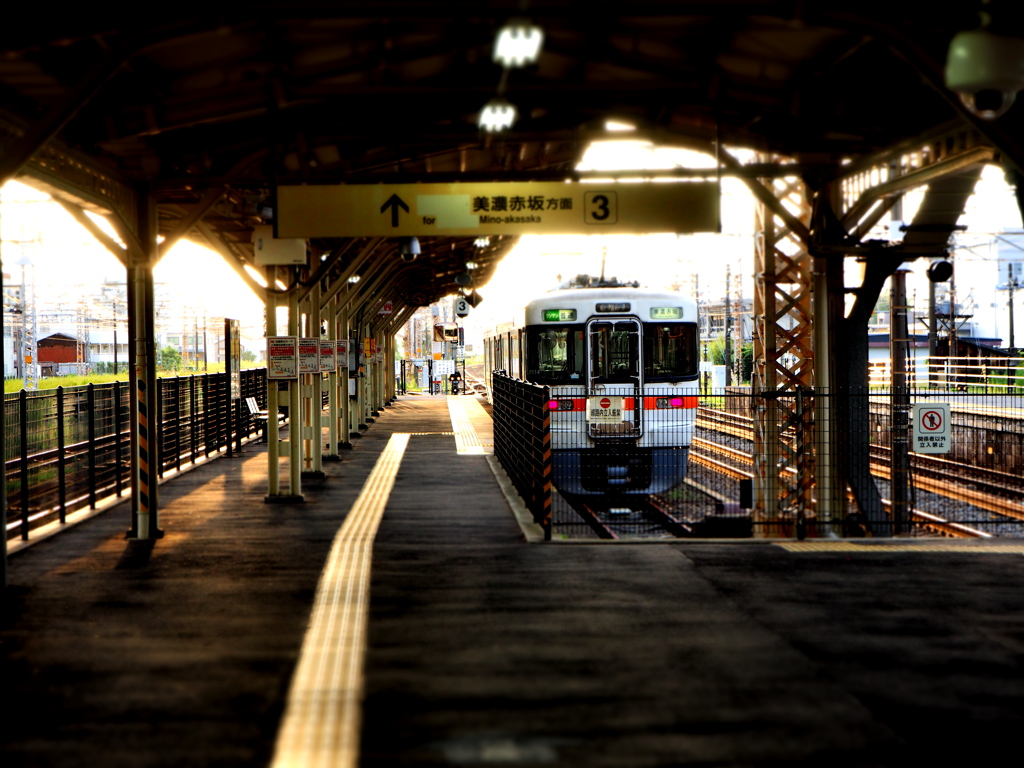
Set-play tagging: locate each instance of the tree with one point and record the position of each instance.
(170, 358)
(248, 356)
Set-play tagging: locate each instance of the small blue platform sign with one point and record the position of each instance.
(932, 432)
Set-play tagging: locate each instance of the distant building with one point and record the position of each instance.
(58, 353)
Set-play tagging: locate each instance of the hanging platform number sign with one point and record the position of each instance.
(932, 433)
(604, 409)
(601, 208)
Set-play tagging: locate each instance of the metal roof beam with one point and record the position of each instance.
(79, 215)
(36, 137)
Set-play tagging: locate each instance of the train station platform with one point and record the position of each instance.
(400, 616)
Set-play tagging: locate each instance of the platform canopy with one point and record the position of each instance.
(210, 106)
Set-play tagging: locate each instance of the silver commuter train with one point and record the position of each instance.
(622, 367)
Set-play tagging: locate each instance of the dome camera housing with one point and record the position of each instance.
(986, 70)
(407, 257)
(988, 105)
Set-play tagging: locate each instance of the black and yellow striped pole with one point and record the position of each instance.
(546, 467)
(143, 253)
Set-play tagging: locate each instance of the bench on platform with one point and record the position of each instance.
(261, 415)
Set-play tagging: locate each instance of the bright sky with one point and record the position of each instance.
(699, 262)
(69, 263)
(660, 260)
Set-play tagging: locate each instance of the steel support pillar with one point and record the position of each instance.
(3, 409)
(145, 430)
(899, 446)
(344, 383)
(294, 409)
(273, 398)
(783, 360)
(274, 494)
(312, 396)
(830, 496)
(334, 381)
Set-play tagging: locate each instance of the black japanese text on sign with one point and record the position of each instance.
(496, 208)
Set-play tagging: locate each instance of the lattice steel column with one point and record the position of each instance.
(783, 354)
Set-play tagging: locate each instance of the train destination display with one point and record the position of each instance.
(497, 208)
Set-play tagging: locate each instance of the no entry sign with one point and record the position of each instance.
(931, 428)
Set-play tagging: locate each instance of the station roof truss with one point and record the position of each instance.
(209, 108)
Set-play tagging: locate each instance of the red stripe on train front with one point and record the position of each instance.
(628, 403)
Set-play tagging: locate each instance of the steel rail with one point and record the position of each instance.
(926, 519)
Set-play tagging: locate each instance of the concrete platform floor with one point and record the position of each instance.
(485, 650)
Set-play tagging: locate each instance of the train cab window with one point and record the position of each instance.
(670, 351)
(614, 351)
(554, 354)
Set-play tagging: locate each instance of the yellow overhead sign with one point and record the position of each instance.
(497, 208)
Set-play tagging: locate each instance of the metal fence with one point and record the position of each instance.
(522, 442)
(1002, 375)
(888, 483)
(67, 448)
(660, 469)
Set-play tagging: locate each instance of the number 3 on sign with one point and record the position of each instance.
(600, 207)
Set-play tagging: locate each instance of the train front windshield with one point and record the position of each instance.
(670, 352)
(554, 354)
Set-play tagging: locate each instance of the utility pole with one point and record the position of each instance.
(1012, 286)
(114, 303)
(29, 330)
(728, 325)
(738, 346)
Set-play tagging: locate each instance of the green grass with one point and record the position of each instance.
(52, 382)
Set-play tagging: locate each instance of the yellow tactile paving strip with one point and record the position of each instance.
(887, 547)
(322, 719)
(466, 439)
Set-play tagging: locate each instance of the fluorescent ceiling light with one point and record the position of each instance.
(482, 242)
(497, 115)
(354, 279)
(518, 44)
(614, 126)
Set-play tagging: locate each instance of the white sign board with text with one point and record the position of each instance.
(309, 355)
(328, 358)
(932, 433)
(282, 357)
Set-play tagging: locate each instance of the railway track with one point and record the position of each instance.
(995, 492)
(650, 517)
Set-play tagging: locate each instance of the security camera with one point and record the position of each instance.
(940, 271)
(407, 257)
(986, 70)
